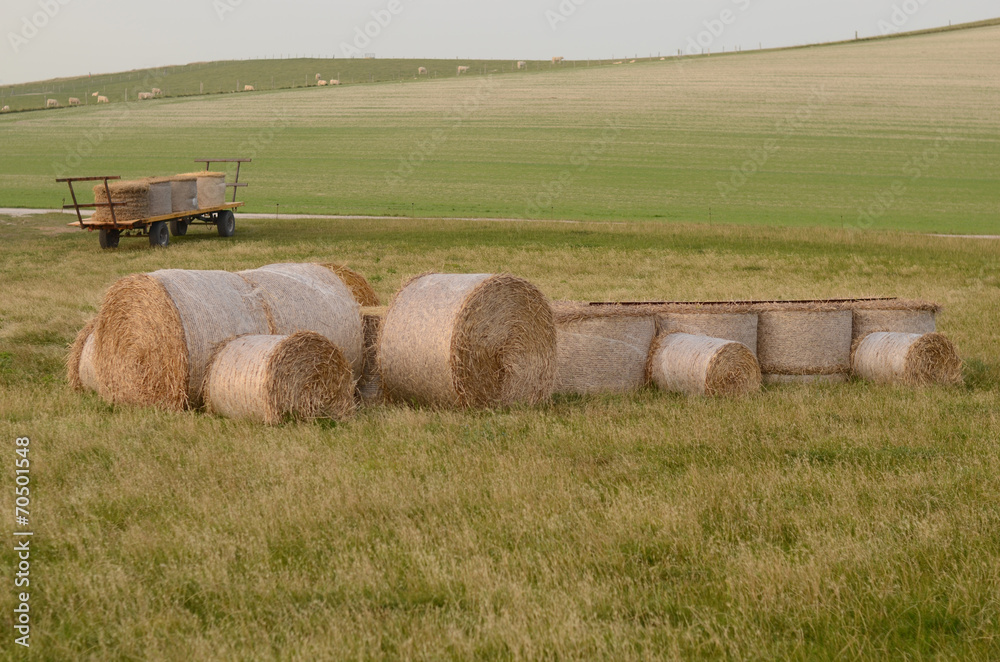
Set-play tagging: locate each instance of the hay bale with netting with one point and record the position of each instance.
(156, 333)
(211, 188)
(80, 370)
(900, 316)
(911, 359)
(183, 193)
(142, 198)
(370, 385)
(737, 327)
(270, 378)
(362, 290)
(470, 340)
(310, 297)
(699, 365)
(603, 354)
(799, 341)
(805, 379)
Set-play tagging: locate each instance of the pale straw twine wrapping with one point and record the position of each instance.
(604, 354)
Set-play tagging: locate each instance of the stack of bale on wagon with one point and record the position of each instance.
(159, 196)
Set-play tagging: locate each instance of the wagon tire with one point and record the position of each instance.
(179, 228)
(109, 238)
(159, 235)
(226, 223)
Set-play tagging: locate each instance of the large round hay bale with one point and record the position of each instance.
(919, 321)
(804, 342)
(699, 365)
(469, 340)
(370, 384)
(603, 354)
(269, 378)
(907, 358)
(80, 371)
(309, 297)
(156, 332)
(357, 284)
(737, 327)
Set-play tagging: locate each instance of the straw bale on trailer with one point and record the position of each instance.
(268, 378)
(156, 333)
(912, 359)
(211, 188)
(80, 362)
(469, 340)
(183, 192)
(370, 384)
(699, 365)
(310, 297)
(739, 327)
(142, 198)
(362, 290)
(898, 316)
(601, 353)
(804, 340)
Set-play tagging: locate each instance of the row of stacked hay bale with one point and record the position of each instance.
(159, 196)
(309, 340)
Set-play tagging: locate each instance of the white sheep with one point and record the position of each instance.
(522, 64)
(557, 59)
(462, 70)
(102, 99)
(73, 101)
(248, 88)
(422, 71)
(321, 83)
(51, 103)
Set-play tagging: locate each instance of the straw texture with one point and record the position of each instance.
(472, 340)
(907, 358)
(143, 198)
(211, 187)
(156, 333)
(309, 297)
(183, 193)
(80, 362)
(839, 378)
(737, 327)
(370, 384)
(896, 321)
(270, 378)
(605, 354)
(699, 365)
(804, 342)
(356, 283)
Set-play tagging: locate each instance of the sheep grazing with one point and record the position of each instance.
(73, 101)
(145, 96)
(321, 83)
(96, 94)
(101, 99)
(334, 82)
(522, 64)
(422, 71)
(617, 62)
(51, 103)
(462, 70)
(157, 92)
(557, 59)
(319, 76)
(631, 61)
(4, 109)
(248, 88)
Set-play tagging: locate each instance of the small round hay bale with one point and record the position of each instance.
(471, 340)
(80, 363)
(699, 365)
(805, 379)
(357, 284)
(309, 297)
(737, 327)
(907, 358)
(804, 342)
(894, 321)
(370, 384)
(603, 354)
(269, 378)
(156, 333)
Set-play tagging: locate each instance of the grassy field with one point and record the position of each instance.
(850, 521)
(889, 134)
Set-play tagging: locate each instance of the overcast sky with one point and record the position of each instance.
(54, 38)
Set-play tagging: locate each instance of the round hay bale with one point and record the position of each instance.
(309, 297)
(370, 384)
(269, 378)
(895, 321)
(80, 363)
(907, 358)
(805, 379)
(357, 284)
(699, 365)
(471, 340)
(737, 327)
(804, 342)
(156, 333)
(142, 198)
(603, 354)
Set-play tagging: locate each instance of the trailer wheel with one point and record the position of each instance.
(159, 234)
(109, 238)
(179, 228)
(226, 223)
